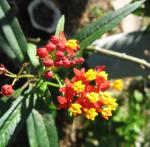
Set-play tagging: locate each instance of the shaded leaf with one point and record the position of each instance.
(31, 132)
(13, 22)
(12, 121)
(40, 129)
(10, 36)
(51, 130)
(6, 48)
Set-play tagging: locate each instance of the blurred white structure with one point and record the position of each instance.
(132, 22)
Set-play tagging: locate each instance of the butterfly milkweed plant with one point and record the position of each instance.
(52, 84)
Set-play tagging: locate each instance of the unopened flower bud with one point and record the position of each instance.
(54, 39)
(7, 90)
(66, 63)
(58, 63)
(48, 62)
(73, 62)
(50, 47)
(80, 60)
(42, 52)
(49, 74)
(3, 70)
(59, 54)
(61, 46)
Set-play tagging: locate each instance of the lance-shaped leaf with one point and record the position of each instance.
(6, 48)
(60, 26)
(12, 121)
(33, 140)
(13, 22)
(9, 35)
(105, 24)
(41, 130)
(51, 130)
(32, 55)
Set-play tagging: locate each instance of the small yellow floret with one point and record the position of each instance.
(93, 97)
(90, 75)
(72, 44)
(78, 86)
(90, 113)
(118, 84)
(108, 101)
(103, 74)
(106, 112)
(75, 109)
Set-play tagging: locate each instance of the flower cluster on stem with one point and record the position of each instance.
(87, 93)
(59, 52)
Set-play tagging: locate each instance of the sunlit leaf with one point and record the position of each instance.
(32, 54)
(96, 29)
(60, 25)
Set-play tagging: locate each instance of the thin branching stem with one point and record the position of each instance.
(143, 63)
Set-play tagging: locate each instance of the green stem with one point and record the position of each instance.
(10, 73)
(53, 84)
(34, 40)
(26, 76)
(58, 80)
(19, 73)
(11, 76)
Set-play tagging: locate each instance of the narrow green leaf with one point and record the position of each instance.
(15, 26)
(9, 127)
(31, 132)
(60, 26)
(9, 35)
(7, 102)
(51, 130)
(6, 48)
(12, 108)
(105, 24)
(32, 55)
(12, 121)
(40, 129)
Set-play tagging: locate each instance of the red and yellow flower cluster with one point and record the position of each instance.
(86, 93)
(59, 52)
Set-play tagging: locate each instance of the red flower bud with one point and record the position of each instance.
(42, 52)
(59, 54)
(7, 90)
(78, 47)
(54, 39)
(49, 74)
(58, 63)
(61, 46)
(50, 47)
(3, 70)
(66, 63)
(80, 60)
(73, 62)
(48, 62)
